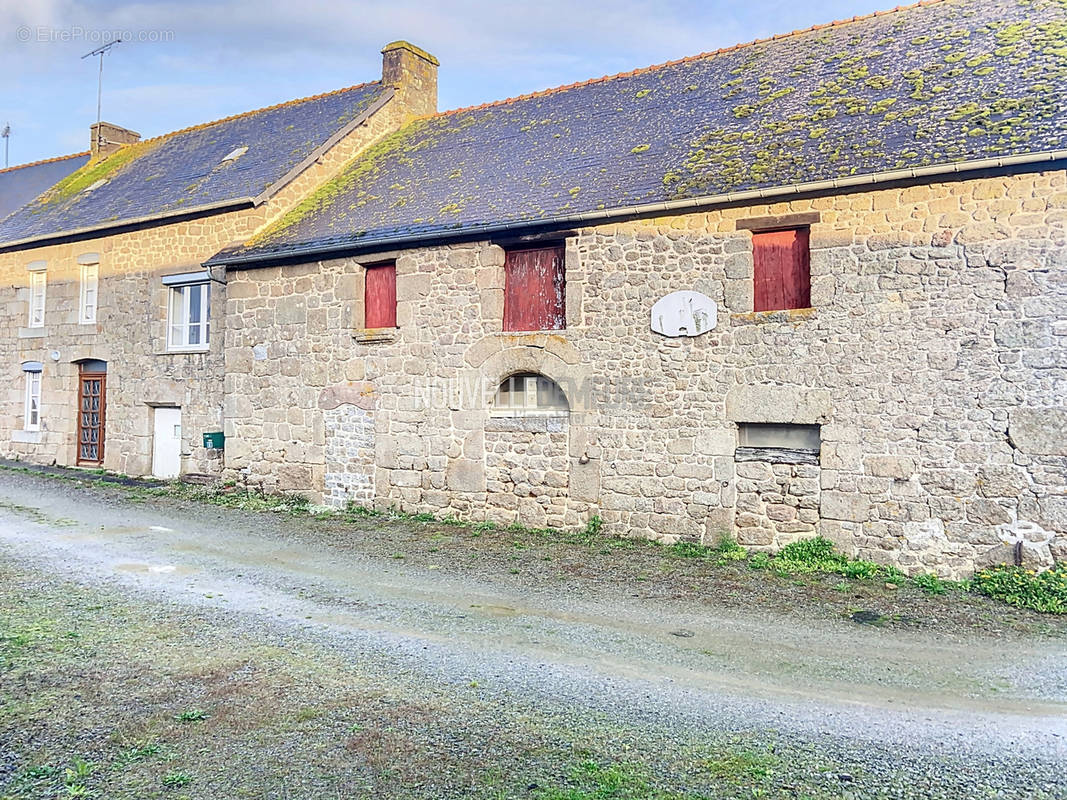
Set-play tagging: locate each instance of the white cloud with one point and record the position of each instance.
(226, 56)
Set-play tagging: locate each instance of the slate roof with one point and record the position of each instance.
(937, 83)
(182, 172)
(19, 185)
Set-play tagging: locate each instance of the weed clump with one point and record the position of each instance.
(725, 551)
(1041, 591)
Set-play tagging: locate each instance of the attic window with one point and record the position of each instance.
(235, 154)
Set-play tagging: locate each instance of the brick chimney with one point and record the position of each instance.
(413, 73)
(106, 138)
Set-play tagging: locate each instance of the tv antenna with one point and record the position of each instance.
(6, 134)
(101, 51)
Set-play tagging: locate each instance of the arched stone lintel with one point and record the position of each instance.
(553, 343)
(573, 379)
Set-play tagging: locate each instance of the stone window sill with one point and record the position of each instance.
(26, 437)
(521, 334)
(533, 423)
(374, 335)
(33, 333)
(196, 352)
(792, 315)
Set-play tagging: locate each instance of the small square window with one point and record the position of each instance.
(190, 314)
(778, 443)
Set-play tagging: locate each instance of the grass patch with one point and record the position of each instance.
(589, 780)
(742, 767)
(233, 497)
(176, 779)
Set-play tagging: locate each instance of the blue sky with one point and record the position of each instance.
(191, 61)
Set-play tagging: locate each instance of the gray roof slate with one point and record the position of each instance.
(183, 172)
(946, 82)
(19, 185)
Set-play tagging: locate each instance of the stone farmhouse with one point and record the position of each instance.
(112, 328)
(808, 285)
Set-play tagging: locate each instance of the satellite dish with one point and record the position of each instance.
(684, 313)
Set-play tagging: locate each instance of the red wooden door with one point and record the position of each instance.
(781, 270)
(379, 296)
(92, 402)
(534, 286)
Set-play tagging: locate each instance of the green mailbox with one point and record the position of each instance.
(215, 440)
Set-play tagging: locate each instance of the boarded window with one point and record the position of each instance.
(379, 296)
(781, 271)
(778, 443)
(534, 286)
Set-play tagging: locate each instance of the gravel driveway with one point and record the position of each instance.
(513, 686)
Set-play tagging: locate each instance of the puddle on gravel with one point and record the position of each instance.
(122, 530)
(156, 569)
(497, 611)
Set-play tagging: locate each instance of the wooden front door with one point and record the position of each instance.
(91, 413)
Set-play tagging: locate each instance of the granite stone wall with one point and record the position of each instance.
(130, 331)
(933, 359)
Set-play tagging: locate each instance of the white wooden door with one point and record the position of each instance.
(167, 443)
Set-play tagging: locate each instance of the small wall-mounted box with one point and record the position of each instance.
(215, 440)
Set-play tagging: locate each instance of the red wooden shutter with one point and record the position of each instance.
(379, 296)
(781, 270)
(534, 290)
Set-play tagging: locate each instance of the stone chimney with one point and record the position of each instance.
(413, 73)
(105, 138)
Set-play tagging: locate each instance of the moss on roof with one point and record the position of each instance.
(97, 169)
(939, 83)
(184, 171)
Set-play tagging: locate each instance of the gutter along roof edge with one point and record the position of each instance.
(657, 208)
(59, 236)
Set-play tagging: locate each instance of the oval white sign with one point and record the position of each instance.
(684, 313)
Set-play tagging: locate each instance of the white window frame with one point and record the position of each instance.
(90, 293)
(523, 398)
(38, 294)
(31, 418)
(178, 330)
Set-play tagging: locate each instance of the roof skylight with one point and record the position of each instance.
(235, 154)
